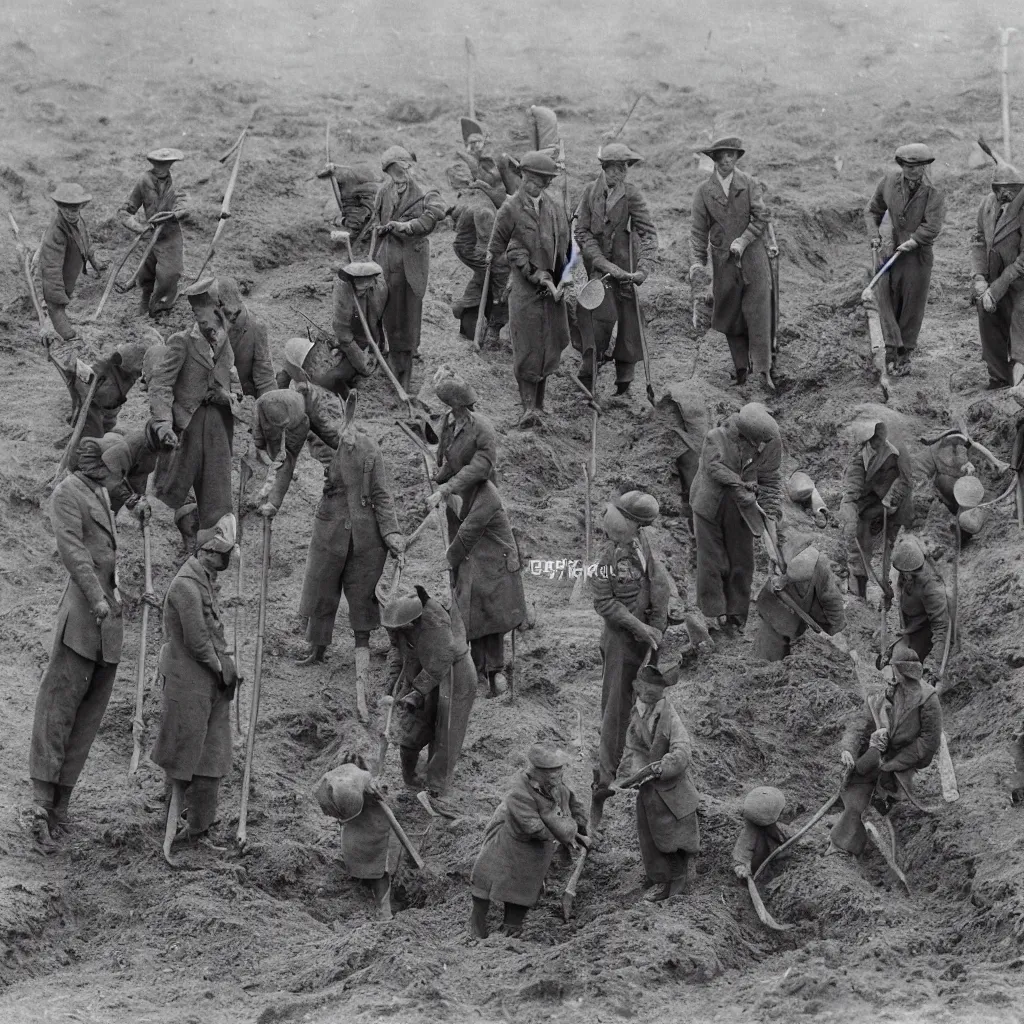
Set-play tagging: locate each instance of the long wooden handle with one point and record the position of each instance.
(76, 435)
(402, 837)
(881, 273)
(138, 723)
(113, 275)
(478, 330)
(399, 390)
(134, 282)
(254, 708)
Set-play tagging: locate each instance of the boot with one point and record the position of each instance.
(145, 297)
(528, 397)
(766, 379)
(478, 918)
(741, 377)
(43, 798)
(512, 923)
(315, 656)
(539, 393)
(860, 586)
(362, 679)
(382, 896)
(492, 336)
(59, 814)
(186, 519)
(622, 387)
(409, 758)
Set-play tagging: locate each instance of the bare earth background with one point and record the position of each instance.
(822, 93)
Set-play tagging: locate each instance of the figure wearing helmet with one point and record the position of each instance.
(998, 265)
(921, 596)
(761, 834)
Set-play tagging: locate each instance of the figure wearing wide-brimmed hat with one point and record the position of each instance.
(916, 211)
(729, 216)
(62, 256)
(532, 231)
(404, 214)
(162, 204)
(998, 268)
(538, 813)
(617, 239)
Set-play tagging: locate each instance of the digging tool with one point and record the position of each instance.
(579, 733)
(589, 475)
(773, 264)
(815, 818)
(434, 811)
(481, 317)
(947, 773)
(225, 206)
(1004, 74)
(875, 330)
(640, 315)
(638, 778)
(346, 237)
(335, 187)
(385, 737)
(569, 895)
(26, 261)
(223, 159)
(625, 120)
(133, 281)
(112, 278)
(884, 613)
(402, 837)
(889, 855)
(956, 435)
(244, 475)
(373, 242)
(138, 723)
(515, 629)
(866, 294)
(814, 627)
(762, 911)
(470, 74)
(76, 434)
(955, 599)
(174, 805)
(254, 709)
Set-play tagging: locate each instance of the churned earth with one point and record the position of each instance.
(822, 94)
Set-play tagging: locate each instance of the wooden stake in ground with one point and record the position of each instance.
(254, 708)
(1004, 42)
(244, 475)
(470, 75)
(138, 723)
(481, 317)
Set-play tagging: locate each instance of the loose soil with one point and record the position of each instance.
(822, 93)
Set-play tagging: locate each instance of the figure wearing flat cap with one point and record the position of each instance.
(659, 752)
(250, 347)
(191, 414)
(65, 250)
(808, 583)
(473, 215)
(631, 591)
(539, 813)
(79, 678)
(738, 479)
(284, 420)
(878, 493)
(354, 527)
(118, 373)
(730, 216)
(477, 157)
(357, 286)
(198, 678)
(922, 602)
(130, 459)
(761, 834)
(916, 211)
(161, 205)
(886, 746)
(998, 266)
(350, 794)
(532, 231)
(617, 238)
(404, 215)
(433, 677)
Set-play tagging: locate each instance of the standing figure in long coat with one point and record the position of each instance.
(353, 529)
(631, 590)
(878, 489)
(730, 215)
(882, 762)
(191, 414)
(997, 261)
(435, 681)
(922, 602)
(532, 230)
(161, 205)
(473, 214)
(86, 644)
(539, 813)
(488, 580)
(250, 346)
(62, 256)
(404, 215)
(916, 211)
(617, 238)
(809, 583)
(193, 744)
(740, 470)
(666, 804)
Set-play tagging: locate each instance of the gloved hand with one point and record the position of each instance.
(875, 526)
(215, 396)
(412, 701)
(327, 171)
(741, 870)
(133, 224)
(698, 273)
(395, 543)
(988, 303)
(166, 436)
(737, 247)
(651, 635)
(908, 246)
(228, 675)
(142, 510)
(162, 217)
(100, 610)
(268, 510)
(83, 371)
(846, 759)
(98, 265)
(638, 277)
(151, 599)
(879, 739)
(980, 285)
(778, 583)
(746, 499)
(440, 495)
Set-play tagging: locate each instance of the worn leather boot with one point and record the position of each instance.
(860, 586)
(478, 918)
(362, 681)
(315, 656)
(409, 758)
(186, 519)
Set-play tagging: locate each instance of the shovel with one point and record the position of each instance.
(123, 289)
(138, 723)
(76, 434)
(640, 317)
(569, 896)
(244, 475)
(875, 333)
(481, 317)
(762, 911)
(589, 475)
(112, 278)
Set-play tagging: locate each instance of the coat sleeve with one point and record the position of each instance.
(936, 608)
(713, 462)
(859, 728)
(66, 517)
(934, 215)
(380, 495)
(920, 751)
(524, 814)
(501, 234)
(612, 610)
(263, 377)
(479, 468)
(746, 843)
(1014, 271)
(161, 387)
(134, 200)
(769, 478)
(979, 247)
(643, 230)
(700, 226)
(321, 422)
(661, 591)
(483, 224)
(853, 487)
(830, 599)
(903, 485)
(433, 213)
(590, 247)
(472, 528)
(758, 214)
(875, 210)
(187, 599)
(676, 759)
(435, 653)
(635, 753)
(51, 266)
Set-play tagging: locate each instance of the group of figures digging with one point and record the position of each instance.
(523, 243)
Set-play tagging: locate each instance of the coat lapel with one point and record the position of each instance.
(200, 347)
(1008, 223)
(413, 194)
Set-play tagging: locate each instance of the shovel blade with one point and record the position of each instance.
(568, 898)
